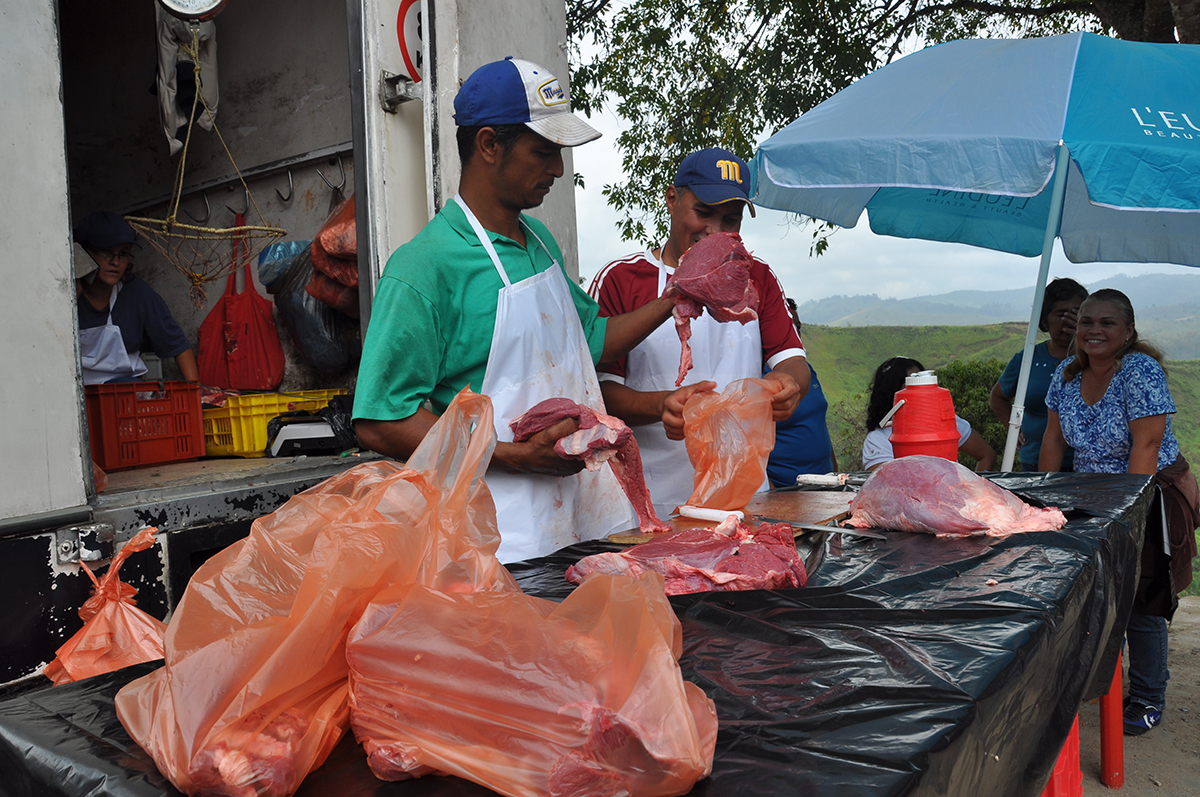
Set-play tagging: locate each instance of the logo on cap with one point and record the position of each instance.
(551, 93)
(730, 170)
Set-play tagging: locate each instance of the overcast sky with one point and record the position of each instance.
(857, 261)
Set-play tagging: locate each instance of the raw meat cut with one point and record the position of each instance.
(938, 496)
(731, 556)
(255, 760)
(713, 274)
(601, 438)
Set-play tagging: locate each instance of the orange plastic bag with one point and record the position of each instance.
(115, 632)
(528, 697)
(338, 235)
(729, 437)
(253, 693)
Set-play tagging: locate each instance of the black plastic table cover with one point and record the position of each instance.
(913, 665)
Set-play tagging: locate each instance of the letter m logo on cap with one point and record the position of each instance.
(551, 93)
(730, 170)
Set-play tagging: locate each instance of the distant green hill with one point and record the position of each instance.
(846, 357)
(1168, 309)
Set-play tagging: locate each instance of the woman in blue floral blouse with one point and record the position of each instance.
(1110, 402)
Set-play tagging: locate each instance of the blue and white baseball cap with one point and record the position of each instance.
(715, 176)
(516, 92)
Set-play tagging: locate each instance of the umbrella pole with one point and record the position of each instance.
(1056, 202)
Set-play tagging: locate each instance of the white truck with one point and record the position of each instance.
(314, 96)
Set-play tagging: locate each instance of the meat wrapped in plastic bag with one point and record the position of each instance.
(729, 437)
(253, 693)
(115, 632)
(941, 497)
(528, 697)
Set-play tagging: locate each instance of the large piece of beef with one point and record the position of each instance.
(714, 274)
(941, 497)
(601, 438)
(731, 556)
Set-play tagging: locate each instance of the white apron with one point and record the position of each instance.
(721, 353)
(102, 350)
(538, 352)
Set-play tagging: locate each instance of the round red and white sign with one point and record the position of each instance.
(409, 31)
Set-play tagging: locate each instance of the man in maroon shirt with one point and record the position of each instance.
(708, 195)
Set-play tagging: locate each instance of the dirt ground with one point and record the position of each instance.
(1165, 762)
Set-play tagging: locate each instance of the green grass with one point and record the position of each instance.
(846, 358)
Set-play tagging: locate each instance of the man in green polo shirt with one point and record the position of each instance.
(479, 297)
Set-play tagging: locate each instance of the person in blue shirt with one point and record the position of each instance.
(1060, 308)
(1111, 403)
(802, 442)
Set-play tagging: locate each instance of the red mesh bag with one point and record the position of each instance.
(335, 247)
(729, 437)
(341, 270)
(333, 293)
(115, 632)
(253, 692)
(338, 236)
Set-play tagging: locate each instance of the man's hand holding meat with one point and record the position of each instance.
(479, 298)
(708, 197)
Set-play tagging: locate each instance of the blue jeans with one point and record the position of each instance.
(1148, 674)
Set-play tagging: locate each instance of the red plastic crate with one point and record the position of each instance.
(144, 423)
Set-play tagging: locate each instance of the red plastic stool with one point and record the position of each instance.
(1112, 738)
(1067, 778)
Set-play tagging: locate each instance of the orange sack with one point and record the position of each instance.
(115, 632)
(253, 692)
(528, 697)
(729, 437)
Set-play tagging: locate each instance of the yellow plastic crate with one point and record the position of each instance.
(239, 429)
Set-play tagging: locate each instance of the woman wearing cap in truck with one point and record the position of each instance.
(119, 313)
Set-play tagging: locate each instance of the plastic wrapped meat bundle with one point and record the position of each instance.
(729, 437)
(253, 693)
(941, 497)
(528, 697)
(115, 632)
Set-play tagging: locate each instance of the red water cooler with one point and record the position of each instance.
(923, 419)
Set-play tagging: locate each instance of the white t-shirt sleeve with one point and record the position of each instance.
(877, 448)
(964, 430)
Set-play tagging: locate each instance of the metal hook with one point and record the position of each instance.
(291, 189)
(243, 212)
(207, 210)
(341, 169)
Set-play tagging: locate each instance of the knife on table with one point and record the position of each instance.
(810, 528)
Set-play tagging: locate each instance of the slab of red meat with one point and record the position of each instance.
(714, 274)
(600, 438)
(728, 557)
(941, 497)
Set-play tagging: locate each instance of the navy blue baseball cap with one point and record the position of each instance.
(103, 230)
(715, 176)
(516, 92)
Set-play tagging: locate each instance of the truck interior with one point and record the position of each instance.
(281, 152)
(282, 122)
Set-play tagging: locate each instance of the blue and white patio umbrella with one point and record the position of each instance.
(1007, 144)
